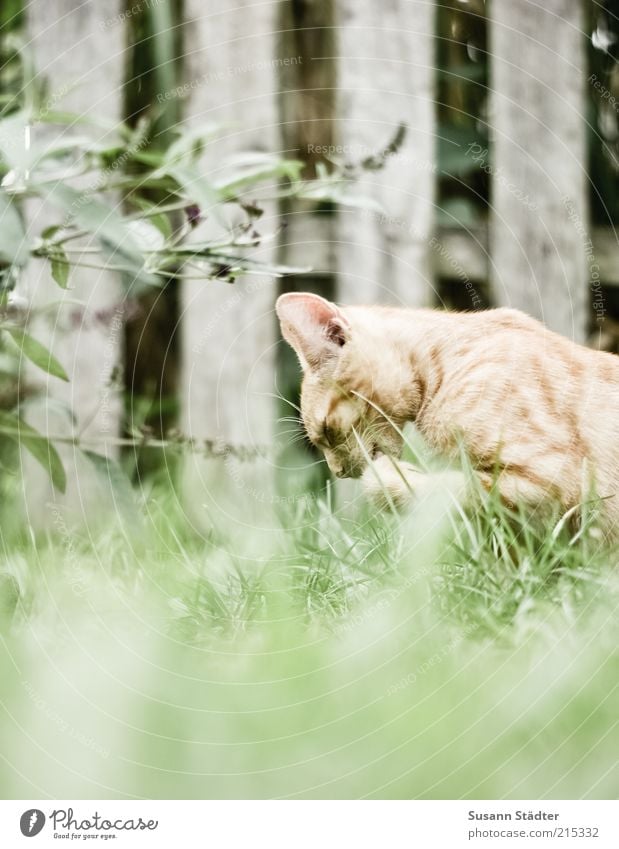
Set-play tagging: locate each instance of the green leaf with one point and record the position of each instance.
(12, 151)
(50, 231)
(250, 169)
(41, 448)
(14, 246)
(162, 223)
(111, 229)
(60, 267)
(56, 149)
(22, 158)
(191, 142)
(197, 189)
(158, 219)
(59, 116)
(341, 191)
(93, 215)
(37, 352)
(152, 158)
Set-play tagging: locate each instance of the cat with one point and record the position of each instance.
(536, 414)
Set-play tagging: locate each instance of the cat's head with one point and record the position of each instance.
(338, 353)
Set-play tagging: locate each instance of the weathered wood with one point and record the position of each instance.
(461, 254)
(606, 253)
(386, 77)
(306, 109)
(78, 49)
(539, 209)
(306, 106)
(467, 252)
(307, 85)
(228, 332)
(455, 253)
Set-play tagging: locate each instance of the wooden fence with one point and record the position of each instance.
(311, 78)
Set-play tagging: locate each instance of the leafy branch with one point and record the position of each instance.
(45, 154)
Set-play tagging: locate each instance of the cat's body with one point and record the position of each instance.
(531, 409)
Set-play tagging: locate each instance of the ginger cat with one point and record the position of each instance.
(534, 412)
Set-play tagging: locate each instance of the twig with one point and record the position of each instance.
(208, 447)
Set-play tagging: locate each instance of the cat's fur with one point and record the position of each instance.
(534, 412)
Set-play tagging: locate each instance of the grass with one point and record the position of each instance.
(309, 653)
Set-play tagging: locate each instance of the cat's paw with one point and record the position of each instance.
(390, 483)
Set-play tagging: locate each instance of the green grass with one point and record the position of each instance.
(315, 655)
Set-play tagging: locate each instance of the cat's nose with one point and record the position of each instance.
(337, 468)
(346, 471)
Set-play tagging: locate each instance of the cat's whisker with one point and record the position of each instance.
(279, 397)
(297, 436)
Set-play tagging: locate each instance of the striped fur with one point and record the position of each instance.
(529, 407)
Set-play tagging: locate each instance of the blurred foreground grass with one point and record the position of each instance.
(330, 657)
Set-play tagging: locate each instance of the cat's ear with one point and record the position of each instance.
(314, 327)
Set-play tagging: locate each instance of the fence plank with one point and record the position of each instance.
(228, 332)
(79, 50)
(307, 102)
(386, 76)
(461, 254)
(539, 214)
